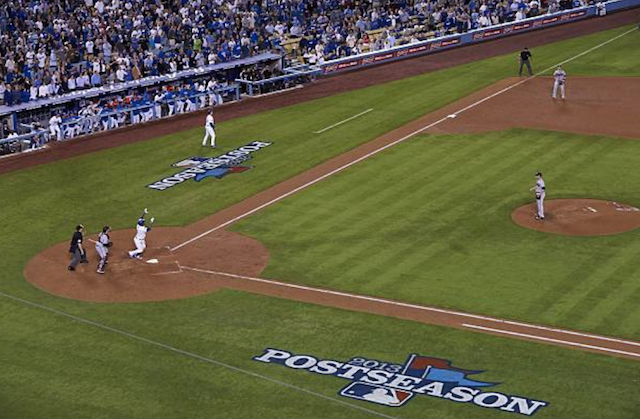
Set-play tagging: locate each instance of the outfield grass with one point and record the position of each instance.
(55, 368)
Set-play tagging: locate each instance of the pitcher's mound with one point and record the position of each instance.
(579, 217)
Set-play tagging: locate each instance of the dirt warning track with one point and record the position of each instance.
(204, 257)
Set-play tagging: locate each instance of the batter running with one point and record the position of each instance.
(140, 240)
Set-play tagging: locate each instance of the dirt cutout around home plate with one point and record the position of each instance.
(579, 217)
(157, 277)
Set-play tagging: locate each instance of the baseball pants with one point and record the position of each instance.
(77, 257)
(56, 133)
(556, 85)
(528, 64)
(540, 205)
(209, 133)
(104, 254)
(140, 246)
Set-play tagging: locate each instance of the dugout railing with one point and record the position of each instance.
(108, 120)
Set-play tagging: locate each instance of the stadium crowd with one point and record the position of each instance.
(58, 46)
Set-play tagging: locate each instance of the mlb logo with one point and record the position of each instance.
(376, 394)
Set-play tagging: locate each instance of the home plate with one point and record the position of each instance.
(153, 261)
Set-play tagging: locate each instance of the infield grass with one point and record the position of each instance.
(55, 368)
(428, 221)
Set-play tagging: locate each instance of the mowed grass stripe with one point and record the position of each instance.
(393, 190)
(347, 209)
(443, 209)
(600, 298)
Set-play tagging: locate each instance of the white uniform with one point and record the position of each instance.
(158, 105)
(140, 240)
(202, 89)
(560, 77)
(540, 195)
(211, 88)
(54, 127)
(210, 131)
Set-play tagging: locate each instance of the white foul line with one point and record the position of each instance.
(382, 148)
(192, 355)
(342, 122)
(408, 305)
(559, 341)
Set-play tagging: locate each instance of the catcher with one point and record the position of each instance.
(560, 78)
(102, 247)
(540, 193)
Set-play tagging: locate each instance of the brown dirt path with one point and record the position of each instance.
(194, 248)
(424, 314)
(324, 87)
(594, 105)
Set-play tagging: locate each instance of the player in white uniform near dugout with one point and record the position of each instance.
(540, 192)
(210, 130)
(140, 240)
(560, 78)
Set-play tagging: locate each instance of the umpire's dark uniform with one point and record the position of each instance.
(79, 254)
(525, 59)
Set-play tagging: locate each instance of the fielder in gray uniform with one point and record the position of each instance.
(102, 247)
(540, 191)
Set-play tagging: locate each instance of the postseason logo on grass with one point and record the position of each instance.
(395, 384)
(203, 167)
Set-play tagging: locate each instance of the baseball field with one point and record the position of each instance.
(368, 226)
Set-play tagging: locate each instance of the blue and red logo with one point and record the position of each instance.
(198, 168)
(217, 172)
(394, 385)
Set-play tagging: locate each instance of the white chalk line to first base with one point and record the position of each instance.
(343, 121)
(447, 312)
(193, 355)
(398, 141)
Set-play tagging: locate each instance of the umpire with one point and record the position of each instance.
(79, 254)
(525, 59)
